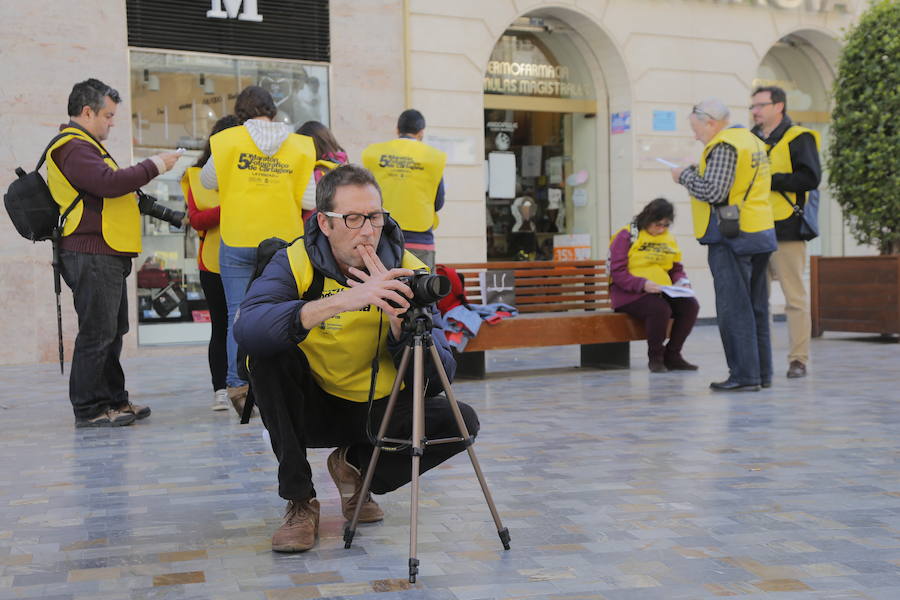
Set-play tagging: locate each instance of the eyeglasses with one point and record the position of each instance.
(696, 111)
(760, 105)
(356, 220)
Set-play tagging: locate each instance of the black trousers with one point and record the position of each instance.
(97, 281)
(218, 317)
(300, 415)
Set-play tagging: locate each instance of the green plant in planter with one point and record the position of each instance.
(864, 158)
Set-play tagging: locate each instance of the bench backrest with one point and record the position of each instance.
(546, 286)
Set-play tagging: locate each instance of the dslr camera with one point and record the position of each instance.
(426, 287)
(150, 206)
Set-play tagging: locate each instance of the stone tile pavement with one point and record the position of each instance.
(616, 485)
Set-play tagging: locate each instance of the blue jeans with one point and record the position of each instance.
(742, 312)
(96, 379)
(236, 265)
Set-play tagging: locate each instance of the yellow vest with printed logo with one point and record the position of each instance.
(780, 159)
(261, 196)
(204, 199)
(652, 256)
(340, 349)
(120, 219)
(409, 173)
(755, 211)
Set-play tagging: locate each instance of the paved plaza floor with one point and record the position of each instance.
(614, 485)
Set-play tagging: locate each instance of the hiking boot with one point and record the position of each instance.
(139, 412)
(108, 418)
(220, 401)
(796, 369)
(676, 362)
(349, 483)
(238, 396)
(300, 529)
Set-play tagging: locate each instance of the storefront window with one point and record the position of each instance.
(176, 99)
(533, 85)
(526, 165)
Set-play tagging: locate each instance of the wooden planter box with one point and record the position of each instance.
(855, 293)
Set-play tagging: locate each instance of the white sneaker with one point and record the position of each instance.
(221, 400)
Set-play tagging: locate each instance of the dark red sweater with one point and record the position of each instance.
(82, 165)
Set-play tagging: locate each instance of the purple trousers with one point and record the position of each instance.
(655, 310)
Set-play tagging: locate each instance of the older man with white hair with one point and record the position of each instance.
(733, 219)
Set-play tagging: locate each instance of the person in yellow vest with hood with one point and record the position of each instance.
(261, 170)
(313, 323)
(204, 213)
(101, 236)
(733, 218)
(644, 257)
(411, 176)
(796, 171)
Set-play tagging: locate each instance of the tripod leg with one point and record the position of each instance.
(418, 434)
(502, 531)
(350, 531)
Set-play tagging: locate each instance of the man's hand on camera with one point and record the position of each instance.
(375, 287)
(380, 285)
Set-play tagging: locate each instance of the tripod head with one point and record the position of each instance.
(417, 320)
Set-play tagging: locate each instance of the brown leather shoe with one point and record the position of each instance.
(238, 396)
(139, 411)
(349, 483)
(796, 369)
(300, 529)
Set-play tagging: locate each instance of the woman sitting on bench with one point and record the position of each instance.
(643, 260)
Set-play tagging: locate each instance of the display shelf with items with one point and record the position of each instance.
(526, 204)
(168, 278)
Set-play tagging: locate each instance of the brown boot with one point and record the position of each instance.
(676, 362)
(349, 483)
(238, 396)
(300, 528)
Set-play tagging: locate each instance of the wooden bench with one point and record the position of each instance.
(560, 304)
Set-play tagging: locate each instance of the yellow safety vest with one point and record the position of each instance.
(780, 158)
(204, 199)
(756, 213)
(340, 349)
(653, 256)
(261, 196)
(120, 218)
(408, 172)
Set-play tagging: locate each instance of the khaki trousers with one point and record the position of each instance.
(787, 265)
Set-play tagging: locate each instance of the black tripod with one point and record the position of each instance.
(418, 321)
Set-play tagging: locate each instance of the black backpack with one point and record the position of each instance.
(30, 205)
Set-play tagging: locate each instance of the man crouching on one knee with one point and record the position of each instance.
(312, 324)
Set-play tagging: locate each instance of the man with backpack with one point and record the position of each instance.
(323, 313)
(796, 173)
(100, 237)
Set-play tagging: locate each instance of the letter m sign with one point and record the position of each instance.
(249, 12)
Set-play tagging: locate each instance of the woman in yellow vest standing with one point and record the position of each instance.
(260, 169)
(644, 257)
(203, 210)
(329, 155)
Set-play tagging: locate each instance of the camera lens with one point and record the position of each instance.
(426, 288)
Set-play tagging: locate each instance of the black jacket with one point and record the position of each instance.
(269, 318)
(806, 175)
